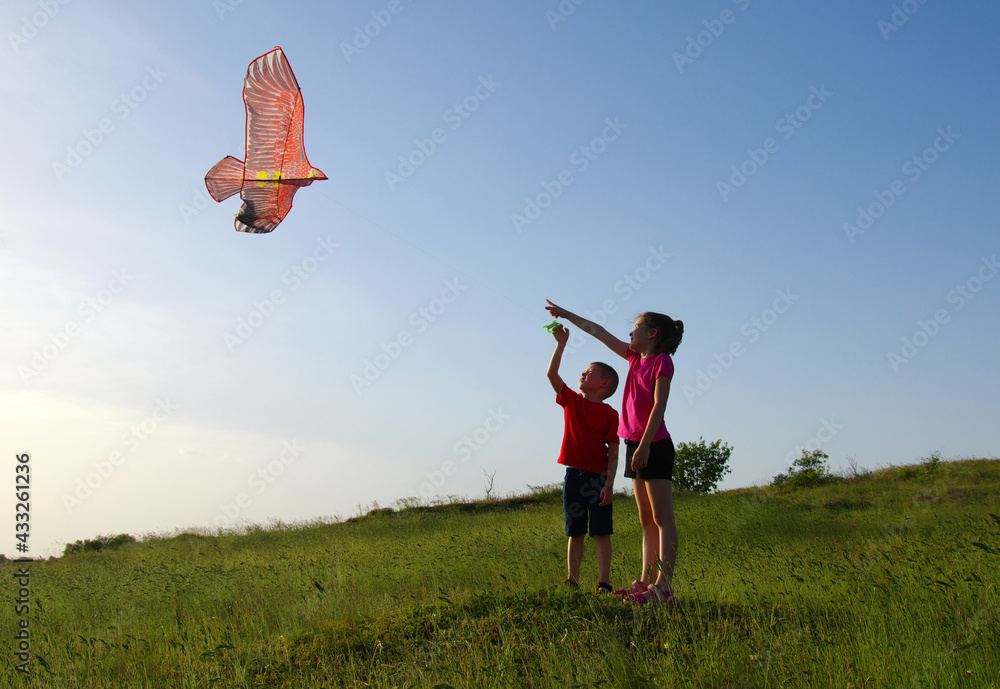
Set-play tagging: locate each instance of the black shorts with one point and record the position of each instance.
(582, 500)
(660, 464)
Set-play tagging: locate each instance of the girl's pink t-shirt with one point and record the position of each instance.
(637, 399)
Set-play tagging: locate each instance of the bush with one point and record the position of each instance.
(930, 464)
(926, 471)
(698, 467)
(99, 543)
(808, 470)
(906, 473)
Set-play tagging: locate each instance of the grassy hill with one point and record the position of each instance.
(883, 580)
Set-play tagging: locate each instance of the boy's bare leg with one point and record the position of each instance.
(574, 556)
(602, 544)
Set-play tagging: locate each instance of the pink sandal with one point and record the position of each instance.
(637, 587)
(654, 595)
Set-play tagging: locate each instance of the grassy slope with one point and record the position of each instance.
(886, 581)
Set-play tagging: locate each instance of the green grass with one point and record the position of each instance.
(886, 580)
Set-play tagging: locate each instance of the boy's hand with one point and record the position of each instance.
(561, 334)
(607, 493)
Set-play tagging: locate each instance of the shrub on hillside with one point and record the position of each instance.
(699, 467)
(808, 470)
(99, 543)
(926, 471)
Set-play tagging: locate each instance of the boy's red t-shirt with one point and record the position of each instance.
(590, 427)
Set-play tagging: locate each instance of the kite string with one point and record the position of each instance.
(427, 253)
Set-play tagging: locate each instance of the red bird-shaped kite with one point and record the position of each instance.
(275, 165)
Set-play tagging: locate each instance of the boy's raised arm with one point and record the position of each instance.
(613, 343)
(562, 336)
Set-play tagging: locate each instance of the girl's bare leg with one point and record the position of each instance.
(659, 494)
(650, 532)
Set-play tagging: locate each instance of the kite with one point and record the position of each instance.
(275, 165)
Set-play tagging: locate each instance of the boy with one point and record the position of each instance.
(590, 453)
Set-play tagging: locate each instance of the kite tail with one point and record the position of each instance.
(225, 179)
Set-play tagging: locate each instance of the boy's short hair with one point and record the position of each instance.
(608, 373)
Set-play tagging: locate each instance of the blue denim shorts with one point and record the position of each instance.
(582, 503)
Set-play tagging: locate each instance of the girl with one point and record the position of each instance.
(649, 450)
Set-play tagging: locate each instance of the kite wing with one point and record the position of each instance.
(275, 119)
(265, 204)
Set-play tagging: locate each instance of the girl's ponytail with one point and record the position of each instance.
(668, 331)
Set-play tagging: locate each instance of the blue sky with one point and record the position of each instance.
(810, 187)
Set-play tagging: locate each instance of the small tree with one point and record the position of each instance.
(700, 467)
(808, 470)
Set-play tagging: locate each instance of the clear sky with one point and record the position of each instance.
(810, 187)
